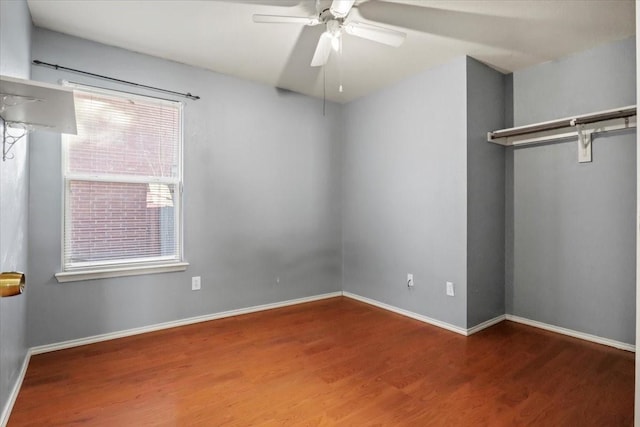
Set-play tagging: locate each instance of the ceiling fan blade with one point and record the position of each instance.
(323, 49)
(277, 19)
(341, 8)
(377, 34)
(469, 26)
(297, 75)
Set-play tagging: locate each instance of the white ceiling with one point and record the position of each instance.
(220, 35)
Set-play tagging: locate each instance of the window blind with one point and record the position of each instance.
(122, 178)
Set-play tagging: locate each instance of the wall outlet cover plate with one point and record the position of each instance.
(450, 289)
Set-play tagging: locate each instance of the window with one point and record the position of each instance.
(122, 186)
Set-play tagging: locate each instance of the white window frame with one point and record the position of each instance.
(128, 267)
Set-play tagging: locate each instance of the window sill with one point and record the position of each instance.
(76, 276)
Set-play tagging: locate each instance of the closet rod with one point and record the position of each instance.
(564, 123)
(113, 79)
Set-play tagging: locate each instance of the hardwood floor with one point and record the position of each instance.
(331, 362)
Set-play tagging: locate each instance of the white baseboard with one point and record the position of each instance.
(425, 319)
(484, 325)
(572, 333)
(6, 411)
(491, 322)
(407, 313)
(175, 323)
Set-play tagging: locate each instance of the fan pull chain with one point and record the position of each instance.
(324, 91)
(340, 66)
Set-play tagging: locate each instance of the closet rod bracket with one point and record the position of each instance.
(584, 143)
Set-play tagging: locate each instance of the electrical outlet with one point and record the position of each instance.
(195, 283)
(450, 289)
(410, 280)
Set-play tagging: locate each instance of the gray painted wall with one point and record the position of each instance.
(404, 193)
(485, 194)
(573, 227)
(424, 194)
(262, 201)
(15, 49)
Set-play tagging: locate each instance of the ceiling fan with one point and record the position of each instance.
(337, 20)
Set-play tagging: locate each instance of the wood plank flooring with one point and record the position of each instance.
(331, 362)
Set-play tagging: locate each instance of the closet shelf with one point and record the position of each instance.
(29, 105)
(581, 127)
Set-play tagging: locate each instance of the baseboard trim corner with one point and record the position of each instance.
(484, 325)
(8, 407)
(570, 332)
(407, 313)
(176, 323)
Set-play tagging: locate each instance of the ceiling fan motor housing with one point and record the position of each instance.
(333, 14)
(333, 27)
